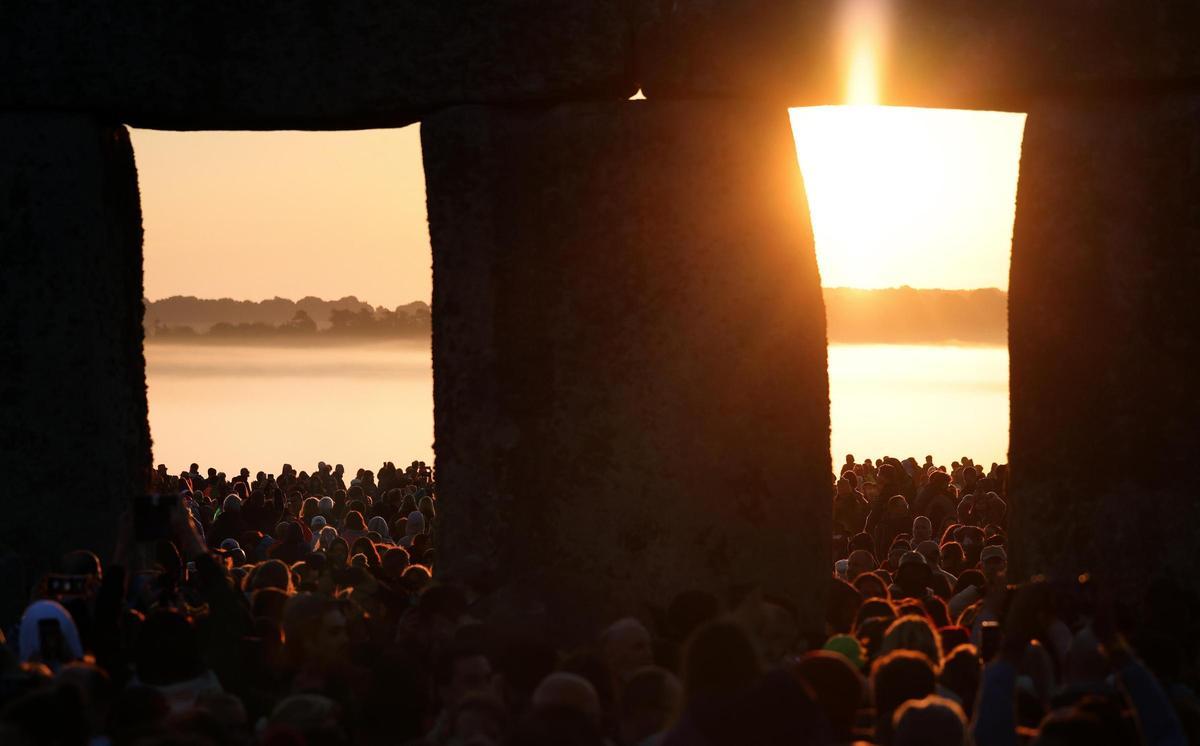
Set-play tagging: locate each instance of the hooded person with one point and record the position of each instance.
(353, 526)
(412, 529)
(326, 536)
(317, 523)
(922, 529)
(379, 525)
(48, 635)
(913, 578)
(325, 505)
(859, 561)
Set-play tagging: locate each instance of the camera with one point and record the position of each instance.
(65, 586)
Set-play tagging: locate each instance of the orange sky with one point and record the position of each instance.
(899, 196)
(253, 215)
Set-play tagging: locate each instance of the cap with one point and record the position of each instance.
(992, 551)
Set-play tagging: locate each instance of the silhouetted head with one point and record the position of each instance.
(897, 677)
(354, 521)
(875, 608)
(838, 688)
(625, 646)
(461, 671)
(922, 529)
(859, 561)
(272, 574)
(864, 542)
(961, 671)
(916, 634)
(568, 691)
(953, 557)
(932, 721)
(994, 562)
(870, 585)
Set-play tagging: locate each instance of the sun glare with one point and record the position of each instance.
(863, 35)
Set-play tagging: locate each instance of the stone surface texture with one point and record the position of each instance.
(630, 383)
(74, 438)
(307, 64)
(1104, 335)
(972, 54)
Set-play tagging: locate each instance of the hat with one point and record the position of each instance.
(317, 522)
(848, 647)
(992, 551)
(230, 544)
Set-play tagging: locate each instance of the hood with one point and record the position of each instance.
(30, 640)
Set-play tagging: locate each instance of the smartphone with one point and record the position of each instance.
(50, 641)
(989, 640)
(152, 516)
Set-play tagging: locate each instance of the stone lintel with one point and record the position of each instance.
(306, 64)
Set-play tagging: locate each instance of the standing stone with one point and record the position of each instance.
(1104, 334)
(630, 386)
(74, 442)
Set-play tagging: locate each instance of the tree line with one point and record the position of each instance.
(188, 319)
(901, 315)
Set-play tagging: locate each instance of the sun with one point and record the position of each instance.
(901, 196)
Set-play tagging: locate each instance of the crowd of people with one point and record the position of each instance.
(302, 609)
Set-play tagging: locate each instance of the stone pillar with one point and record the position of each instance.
(630, 384)
(74, 441)
(1104, 334)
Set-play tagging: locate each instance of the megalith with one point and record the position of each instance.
(1104, 334)
(74, 440)
(630, 381)
(307, 64)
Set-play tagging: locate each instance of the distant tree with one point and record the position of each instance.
(302, 323)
